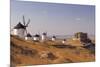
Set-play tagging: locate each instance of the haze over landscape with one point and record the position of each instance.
(59, 19)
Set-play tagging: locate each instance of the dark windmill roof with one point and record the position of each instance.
(54, 36)
(64, 40)
(36, 35)
(44, 33)
(19, 26)
(29, 35)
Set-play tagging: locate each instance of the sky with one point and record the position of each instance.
(54, 18)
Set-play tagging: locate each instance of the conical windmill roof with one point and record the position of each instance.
(19, 26)
(29, 35)
(36, 35)
(54, 36)
(44, 33)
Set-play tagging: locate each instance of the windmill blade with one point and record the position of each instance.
(23, 20)
(28, 23)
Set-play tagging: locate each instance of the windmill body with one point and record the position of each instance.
(53, 38)
(19, 30)
(28, 37)
(36, 37)
(44, 37)
(64, 41)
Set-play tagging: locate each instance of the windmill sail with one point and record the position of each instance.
(27, 23)
(24, 20)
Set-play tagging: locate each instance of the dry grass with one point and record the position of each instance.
(29, 53)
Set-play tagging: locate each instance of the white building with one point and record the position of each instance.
(28, 37)
(36, 37)
(53, 38)
(19, 30)
(64, 41)
(44, 37)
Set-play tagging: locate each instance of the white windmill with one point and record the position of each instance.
(36, 37)
(20, 29)
(63, 41)
(53, 38)
(28, 36)
(44, 36)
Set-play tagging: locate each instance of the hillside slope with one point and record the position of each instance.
(34, 53)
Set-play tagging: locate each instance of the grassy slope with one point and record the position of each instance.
(62, 55)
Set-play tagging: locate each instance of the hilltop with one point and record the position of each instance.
(49, 52)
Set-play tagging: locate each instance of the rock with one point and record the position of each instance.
(47, 54)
